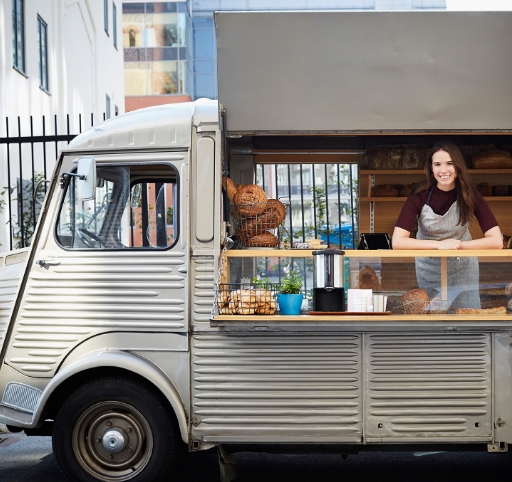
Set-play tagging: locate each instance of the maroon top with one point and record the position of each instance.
(440, 202)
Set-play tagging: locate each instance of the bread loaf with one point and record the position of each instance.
(500, 310)
(492, 160)
(485, 189)
(396, 157)
(384, 190)
(229, 187)
(250, 200)
(404, 191)
(264, 240)
(415, 301)
(500, 190)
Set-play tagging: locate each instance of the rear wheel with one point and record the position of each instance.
(114, 430)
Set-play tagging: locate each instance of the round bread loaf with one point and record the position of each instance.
(251, 227)
(485, 189)
(271, 218)
(250, 200)
(274, 214)
(492, 160)
(415, 301)
(229, 187)
(263, 240)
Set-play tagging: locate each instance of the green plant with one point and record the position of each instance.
(24, 226)
(291, 284)
(261, 283)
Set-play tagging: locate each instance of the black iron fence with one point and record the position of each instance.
(28, 151)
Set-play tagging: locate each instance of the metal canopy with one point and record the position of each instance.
(299, 72)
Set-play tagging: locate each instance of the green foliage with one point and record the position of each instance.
(27, 224)
(261, 283)
(291, 284)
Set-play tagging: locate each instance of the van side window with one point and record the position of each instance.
(134, 208)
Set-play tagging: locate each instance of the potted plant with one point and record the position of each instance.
(289, 297)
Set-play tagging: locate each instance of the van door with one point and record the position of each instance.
(115, 263)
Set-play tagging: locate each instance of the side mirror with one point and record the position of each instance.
(86, 182)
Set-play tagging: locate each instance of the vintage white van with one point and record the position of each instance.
(110, 340)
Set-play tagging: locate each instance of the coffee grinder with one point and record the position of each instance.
(328, 290)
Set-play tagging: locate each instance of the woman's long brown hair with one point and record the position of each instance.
(465, 189)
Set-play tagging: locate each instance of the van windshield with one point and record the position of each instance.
(133, 208)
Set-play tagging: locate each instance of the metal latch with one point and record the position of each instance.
(501, 447)
(499, 423)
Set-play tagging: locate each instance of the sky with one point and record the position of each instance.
(479, 4)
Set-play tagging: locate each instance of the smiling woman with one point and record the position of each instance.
(444, 206)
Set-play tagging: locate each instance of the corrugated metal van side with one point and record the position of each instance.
(428, 386)
(276, 388)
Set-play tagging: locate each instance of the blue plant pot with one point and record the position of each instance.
(289, 304)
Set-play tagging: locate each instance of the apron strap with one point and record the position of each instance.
(429, 196)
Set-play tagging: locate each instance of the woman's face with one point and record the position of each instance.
(444, 170)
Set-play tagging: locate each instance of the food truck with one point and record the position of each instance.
(117, 337)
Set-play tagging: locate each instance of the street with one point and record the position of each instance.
(31, 458)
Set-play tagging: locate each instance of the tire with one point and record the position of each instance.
(114, 429)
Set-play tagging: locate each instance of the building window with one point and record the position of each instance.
(105, 15)
(42, 35)
(18, 35)
(107, 108)
(114, 24)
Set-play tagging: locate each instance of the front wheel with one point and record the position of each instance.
(114, 430)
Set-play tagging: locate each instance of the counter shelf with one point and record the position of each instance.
(396, 274)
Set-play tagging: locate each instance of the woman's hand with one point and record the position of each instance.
(449, 244)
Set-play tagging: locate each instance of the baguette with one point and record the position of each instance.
(499, 310)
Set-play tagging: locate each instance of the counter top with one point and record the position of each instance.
(372, 253)
(364, 323)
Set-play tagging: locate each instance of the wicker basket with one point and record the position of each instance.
(247, 299)
(258, 228)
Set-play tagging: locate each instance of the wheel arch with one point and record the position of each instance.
(105, 364)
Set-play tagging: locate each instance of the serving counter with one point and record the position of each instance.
(394, 274)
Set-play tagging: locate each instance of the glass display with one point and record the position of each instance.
(394, 282)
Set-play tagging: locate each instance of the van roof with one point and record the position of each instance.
(164, 126)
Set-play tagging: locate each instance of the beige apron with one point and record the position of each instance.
(463, 272)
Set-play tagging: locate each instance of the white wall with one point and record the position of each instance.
(84, 67)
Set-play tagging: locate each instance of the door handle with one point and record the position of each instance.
(47, 262)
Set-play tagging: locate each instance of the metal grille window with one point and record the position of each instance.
(42, 30)
(114, 24)
(321, 198)
(18, 35)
